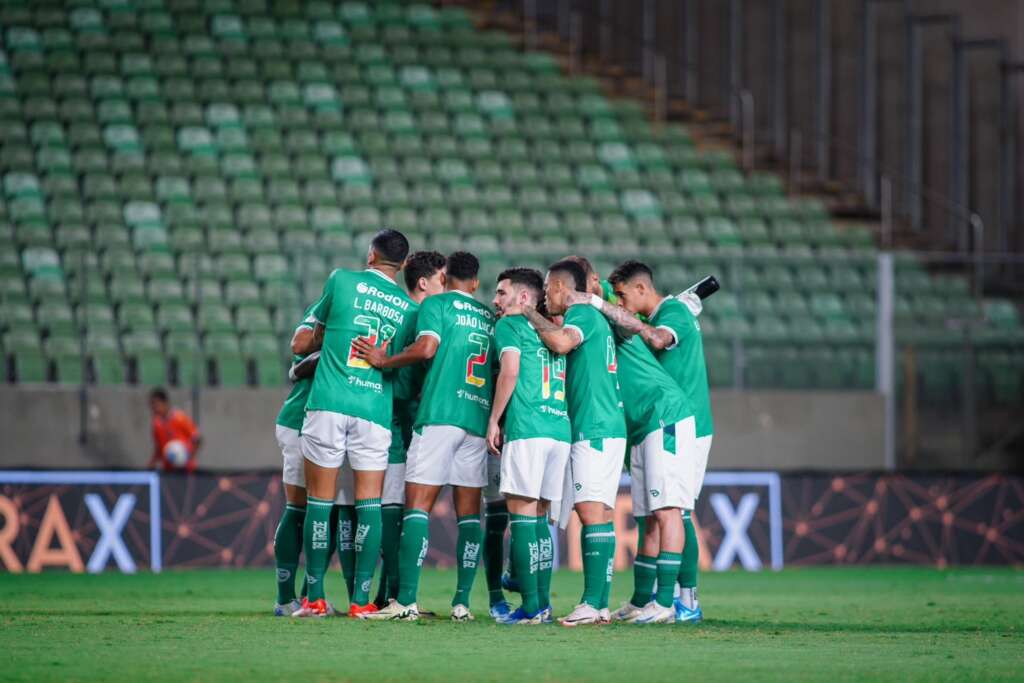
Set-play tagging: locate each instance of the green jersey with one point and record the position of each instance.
(655, 400)
(407, 383)
(368, 305)
(537, 406)
(293, 412)
(459, 385)
(684, 360)
(592, 384)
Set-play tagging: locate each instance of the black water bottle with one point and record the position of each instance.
(705, 287)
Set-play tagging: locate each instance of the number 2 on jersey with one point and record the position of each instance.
(374, 332)
(483, 345)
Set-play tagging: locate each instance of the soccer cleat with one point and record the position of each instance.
(545, 616)
(605, 616)
(626, 612)
(462, 613)
(500, 610)
(509, 584)
(521, 617)
(685, 615)
(317, 609)
(583, 614)
(287, 609)
(361, 611)
(653, 613)
(395, 611)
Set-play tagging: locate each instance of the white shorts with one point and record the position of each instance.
(700, 464)
(442, 454)
(534, 468)
(345, 486)
(293, 471)
(394, 485)
(331, 439)
(596, 467)
(662, 469)
(492, 492)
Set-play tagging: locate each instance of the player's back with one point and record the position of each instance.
(293, 410)
(592, 385)
(654, 398)
(365, 304)
(684, 361)
(459, 383)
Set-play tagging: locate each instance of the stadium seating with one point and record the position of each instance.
(178, 176)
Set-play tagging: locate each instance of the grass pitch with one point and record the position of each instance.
(841, 624)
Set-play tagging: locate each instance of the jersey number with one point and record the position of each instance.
(374, 333)
(483, 345)
(610, 358)
(552, 375)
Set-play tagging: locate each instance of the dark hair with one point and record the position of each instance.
(422, 264)
(391, 245)
(159, 393)
(574, 270)
(525, 277)
(463, 266)
(583, 263)
(629, 270)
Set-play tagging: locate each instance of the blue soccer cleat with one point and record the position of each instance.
(685, 615)
(500, 610)
(509, 584)
(545, 616)
(523, 618)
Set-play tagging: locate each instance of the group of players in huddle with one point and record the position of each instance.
(526, 410)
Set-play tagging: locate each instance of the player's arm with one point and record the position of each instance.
(508, 375)
(424, 348)
(307, 339)
(657, 338)
(559, 339)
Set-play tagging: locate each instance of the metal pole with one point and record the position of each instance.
(83, 311)
(887, 212)
(913, 85)
(884, 351)
(823, 50)
(647, 48)
(1011, 168)
(794, 160)
(959, 143)
(869, 85)
(692, 39)
(734, 56)
(779, 77)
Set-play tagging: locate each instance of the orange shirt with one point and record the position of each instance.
(176, 426)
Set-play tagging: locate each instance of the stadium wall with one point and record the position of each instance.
(775, 430)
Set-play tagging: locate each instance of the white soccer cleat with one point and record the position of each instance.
(605, 616)
(395, 611)
(653, 613)
(581, 615)
(287, 609)
(462, 613)
(627, 612)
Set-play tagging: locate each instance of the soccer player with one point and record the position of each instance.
(534, 444)
(424, 274)
(662, 433)
(454, 333)
(674, 336)
(348, 414)
(598, 427)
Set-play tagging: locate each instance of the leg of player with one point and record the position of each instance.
(645, 569)
(687, 608)
(316, 535)
(412, 550)
(287, 546)
(669, 522)
(467, 548)
(366, 541)
(545, 559)
(346, 546)
(495, 524)
(524, 554)
(596, 537)
(391, 516)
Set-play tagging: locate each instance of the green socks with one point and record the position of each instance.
(391, 516)
(645, 571)
(346, 549)
(691, 554)
(366, 544)
(609, 574)
(412, 550)
(546, 558)
(525, 557)
(668, 570)
(287, 546)
(595, 541)
(316, 544)
(467, 557)
(496, 516)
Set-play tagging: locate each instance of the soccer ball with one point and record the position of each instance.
(176, 453)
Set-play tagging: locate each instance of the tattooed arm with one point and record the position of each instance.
(657, 338)
(559, 339)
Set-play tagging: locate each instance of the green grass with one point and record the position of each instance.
(843, 624)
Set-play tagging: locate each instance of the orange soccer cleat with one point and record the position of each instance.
(361, 611)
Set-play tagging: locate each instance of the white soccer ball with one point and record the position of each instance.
(176, 453)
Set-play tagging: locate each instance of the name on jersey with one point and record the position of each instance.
(474, 323)
(391, 298)
(379, 308)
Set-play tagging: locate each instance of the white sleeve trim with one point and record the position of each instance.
(513, 349)
(578, 331)
(430, 333)
(675, 337)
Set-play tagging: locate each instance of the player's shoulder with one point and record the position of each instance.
(511, 324)
(672, 307)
